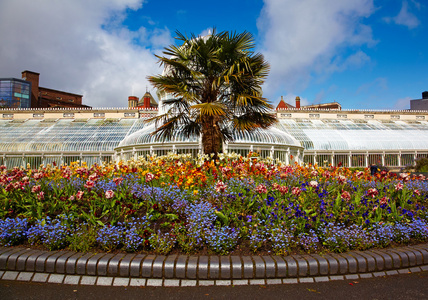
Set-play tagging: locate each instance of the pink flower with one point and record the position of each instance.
(417, 192)
(81, 171)
(79, 195)
(261, 189)
(296, 191)
(9, 187)
(41, 196)
(345, 195)
(89, 184)
(260, 166)
(283, 189)
(109, 194)
(383, 201)
(359, 174)
(372, 192)
(67, 173)
(275, 186)
(327, 174)
(313, 184)
(225, 171)
(405, 177)
(118, 180)
(341, 179)
(36, 188)
(149, 177)
(314, 173)
(93, 177)
(399, 186)
(71, 198)
(38, 175)
(220, 186)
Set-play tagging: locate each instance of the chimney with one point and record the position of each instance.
(33, 77)
(425, 95)
(297, 102)
(146, 99)
(132, 101)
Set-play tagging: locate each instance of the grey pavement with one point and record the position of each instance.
(398, 286)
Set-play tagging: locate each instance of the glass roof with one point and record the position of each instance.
(99, 135)
(357, 135)
(259, 136)
(65, 135)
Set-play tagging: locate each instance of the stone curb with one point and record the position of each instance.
(221, 269)
(164, 282)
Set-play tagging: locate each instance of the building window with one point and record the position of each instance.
(129, 115)
(314, 116)
(285, 115)
(38, 115)
(58, 98)
(342, 116)
(7, 116)
(420, 117)
(68, 115)
(99, 115)
(71, 100)
(395, 117)
(15, 93)
(368, 116)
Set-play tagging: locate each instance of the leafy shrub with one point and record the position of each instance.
(421, 164)
(162, 243)
(83, 240)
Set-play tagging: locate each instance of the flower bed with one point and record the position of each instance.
(175, 203)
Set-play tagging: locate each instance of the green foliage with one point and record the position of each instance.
(83, 240)
(214, 84)
(421, 164)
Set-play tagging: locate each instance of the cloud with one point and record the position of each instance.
(307, 38)
(81, 47)
(378, 85)
(405, 17)
(403, 103)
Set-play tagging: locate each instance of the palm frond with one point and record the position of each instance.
(210, 109)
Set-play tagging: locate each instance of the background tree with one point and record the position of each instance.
(212, 86)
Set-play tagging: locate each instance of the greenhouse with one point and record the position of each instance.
(341, 138)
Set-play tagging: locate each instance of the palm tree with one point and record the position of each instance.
(212, 85)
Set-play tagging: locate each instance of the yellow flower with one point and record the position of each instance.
(195, 192)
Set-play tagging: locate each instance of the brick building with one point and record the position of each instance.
(26, 93)
(146, 102)
(45, 97)
(284, 105)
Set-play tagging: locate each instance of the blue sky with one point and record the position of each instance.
(364, 54)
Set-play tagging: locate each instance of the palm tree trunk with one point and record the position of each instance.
(211, 137)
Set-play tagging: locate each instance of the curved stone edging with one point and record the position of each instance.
(212, 267)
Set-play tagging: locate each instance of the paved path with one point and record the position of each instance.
(399, 286)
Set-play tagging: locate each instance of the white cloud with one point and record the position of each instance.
(378, 85)
(80, 46)
(403, 103)
(405, 17)
(306, 38)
